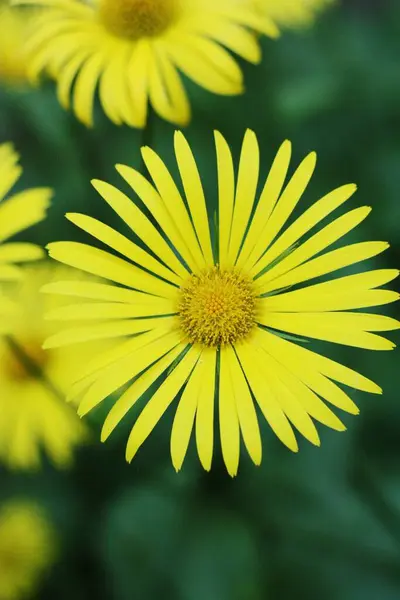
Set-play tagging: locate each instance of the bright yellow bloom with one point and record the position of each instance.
(17, 213)
(13, 29)
(208, 317)
(134, 51)
(33, 414)
(292, 13)
(27, 548)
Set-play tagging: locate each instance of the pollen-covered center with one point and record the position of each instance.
(217, 307)
(135, 19)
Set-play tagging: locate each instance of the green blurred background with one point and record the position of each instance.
(321, 524)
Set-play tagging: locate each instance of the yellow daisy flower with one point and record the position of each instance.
(205, 311)
(33, 414)
(27, 548)
(13, 30)
(292, 13)
(134, 51)
(17, 213)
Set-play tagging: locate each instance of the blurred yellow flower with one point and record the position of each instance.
(33, 412)
(292, 13)
(17, 213)
(27, 549)
(206, 323)
(14, 25)
(133, 50)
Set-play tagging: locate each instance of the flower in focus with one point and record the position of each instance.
(14, 25)
(208, 313)
(27, 548)
(33, 413)
(134, 51)
(17, 213)
(292, 13)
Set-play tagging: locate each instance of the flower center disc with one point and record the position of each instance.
(217, 308)
(135, 19)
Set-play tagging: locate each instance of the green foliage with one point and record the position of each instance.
(321, 524)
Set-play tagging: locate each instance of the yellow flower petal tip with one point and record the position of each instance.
(190, 327)
(137, 56)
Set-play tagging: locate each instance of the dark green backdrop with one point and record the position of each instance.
(323, 524)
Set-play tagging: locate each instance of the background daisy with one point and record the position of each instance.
(134, 51)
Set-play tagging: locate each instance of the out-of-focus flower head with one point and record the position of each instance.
(14, 26)
(135, 50)
(33, 413)
(27, 548)
(292, 13)
(17, 213)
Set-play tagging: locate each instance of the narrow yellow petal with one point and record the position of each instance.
(245, 192)
(254, 245)
(174, 204)
(327, 263)
(285, 206)
(109, 330)
(205, 409)
(206, 63)
(184, 417)
(194, 195)
(226, 196)
(316, 213)
(298, 358)
(94, 311)
(23, 210)
(134, 217)
(124, 370)
(289, 403)
(103, 264)
(159, 403)
(101, 291)
(228, 417)
(20, 252)
(116, 241)
(264, 395)
(134, 392)
(318, 242)
(155, 204)
(245, 408)
(340, 328)
(349, 292)
(85, 86)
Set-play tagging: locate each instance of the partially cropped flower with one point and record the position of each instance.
(17, 213)
(136, 50)
(14, 24)
(292, 13)
(205, 312)
(27, 549)
(33, 414)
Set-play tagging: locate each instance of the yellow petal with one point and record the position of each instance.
(264, 395)
(245, 192)
(194, 194)
(254, 245)
(134, 392)
(159, 403)
(226, 195)
(245, 408)
(205, 409)
(185, 415)
(228, 417)
(327, 263)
